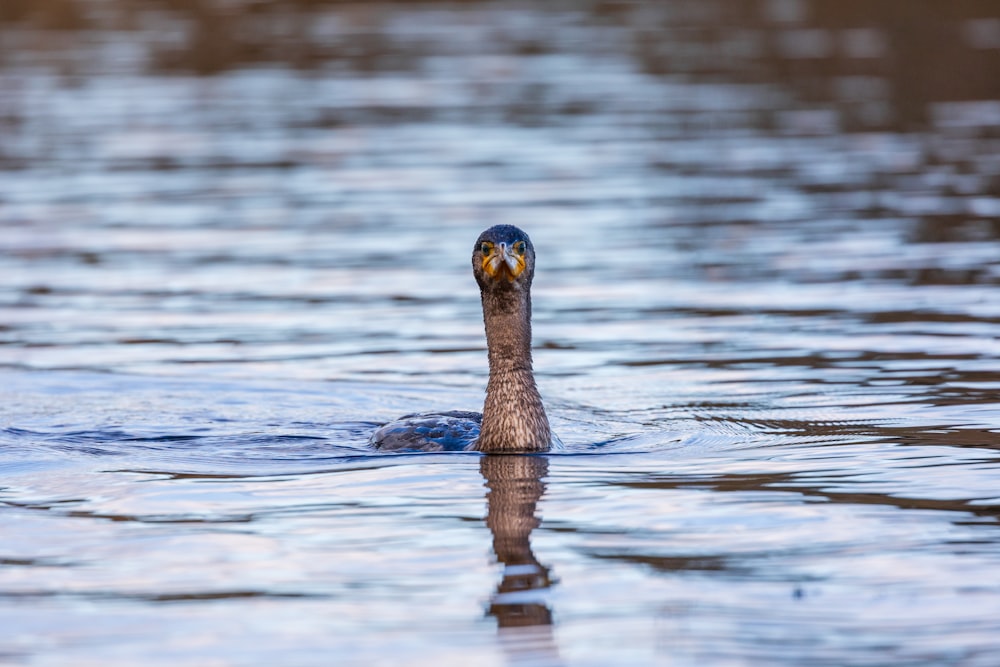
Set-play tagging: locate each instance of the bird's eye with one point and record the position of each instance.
(519, 247)
(485, 248)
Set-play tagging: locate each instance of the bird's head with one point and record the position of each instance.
(503, 258)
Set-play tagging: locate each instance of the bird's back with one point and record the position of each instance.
(451, 431)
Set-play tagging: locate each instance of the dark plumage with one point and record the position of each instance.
(513, 419)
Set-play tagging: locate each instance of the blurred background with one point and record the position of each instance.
(224, 182)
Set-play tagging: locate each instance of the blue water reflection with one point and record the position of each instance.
(235, 237)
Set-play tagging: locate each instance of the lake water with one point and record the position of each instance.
(236, 237)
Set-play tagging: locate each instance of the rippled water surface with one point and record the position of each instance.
(236, 237)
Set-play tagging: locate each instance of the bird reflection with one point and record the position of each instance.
(524, 619)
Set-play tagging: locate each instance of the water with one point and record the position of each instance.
(765, 322)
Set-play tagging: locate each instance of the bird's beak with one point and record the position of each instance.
(502, 260)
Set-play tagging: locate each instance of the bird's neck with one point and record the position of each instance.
(514, 419)
(508, 330)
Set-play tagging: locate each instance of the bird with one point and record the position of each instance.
(513, 420)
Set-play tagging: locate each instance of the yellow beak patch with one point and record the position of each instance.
(503, 260)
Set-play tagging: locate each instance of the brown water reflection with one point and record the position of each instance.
(874, 65)
(519, 605)
(515, 487)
